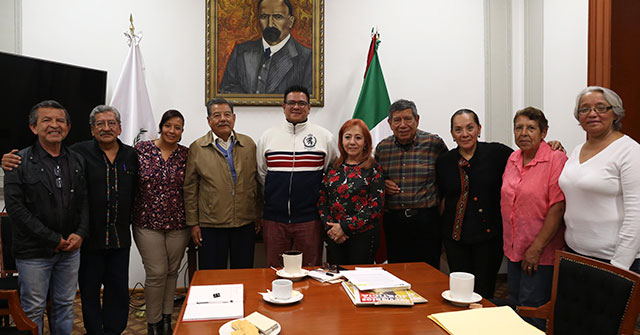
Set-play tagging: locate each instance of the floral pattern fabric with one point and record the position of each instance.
(159, 203)
(352, 196)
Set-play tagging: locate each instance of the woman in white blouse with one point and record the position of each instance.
(601, 183)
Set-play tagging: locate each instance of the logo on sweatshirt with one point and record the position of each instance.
(309, 141)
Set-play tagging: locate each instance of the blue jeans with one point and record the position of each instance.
(530, 290)
(56, 277)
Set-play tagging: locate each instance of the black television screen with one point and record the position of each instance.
(25, 81)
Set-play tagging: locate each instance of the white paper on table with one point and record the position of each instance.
(374, 278)
(214, 302)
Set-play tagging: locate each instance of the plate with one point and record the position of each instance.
(294, 277)
(463, 303)
(295, 297)
(226, 329)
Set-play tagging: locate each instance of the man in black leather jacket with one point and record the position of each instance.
(46, 197)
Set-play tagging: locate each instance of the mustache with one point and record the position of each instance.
(271, 34)
(106, 133)
(224, 123)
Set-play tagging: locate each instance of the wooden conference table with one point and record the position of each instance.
(326, 308)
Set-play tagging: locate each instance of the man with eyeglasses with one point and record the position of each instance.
(221, 195)
(110, 172)
(273, 62)
(46, 197)
(291, 160)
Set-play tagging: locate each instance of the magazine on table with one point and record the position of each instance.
(397, 297)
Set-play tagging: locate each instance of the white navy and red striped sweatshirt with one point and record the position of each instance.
(291, 161)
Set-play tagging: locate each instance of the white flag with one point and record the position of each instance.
(132, 99)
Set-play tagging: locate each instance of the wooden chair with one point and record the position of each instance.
(8, 272)
(23, 325)
(589, 297)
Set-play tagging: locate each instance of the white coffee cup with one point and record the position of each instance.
(281, 289)
(461, 285)
(292, 260)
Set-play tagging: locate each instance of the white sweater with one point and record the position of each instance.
(603, 202)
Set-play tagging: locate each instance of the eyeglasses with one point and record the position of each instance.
(301, 104)
(56, 172)
(102, 123)
(600, 109)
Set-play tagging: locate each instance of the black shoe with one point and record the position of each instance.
(166, 324)
(154, 328)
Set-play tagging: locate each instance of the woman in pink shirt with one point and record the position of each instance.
(532, 206)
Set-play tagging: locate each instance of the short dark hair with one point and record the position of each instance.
(218, 101)
(401, 105)
(533, 114)
(286, 2)
(296, 88)
(465, 111)
(168, 115)
(33, 114)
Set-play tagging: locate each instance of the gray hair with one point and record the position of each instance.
(403, 104)
(103, 109)
(33, 114)
(610, 96)
(218, 101)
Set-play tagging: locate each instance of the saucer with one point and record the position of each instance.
(293, 277)
(462, 303)
(226, 329)
(295, 297)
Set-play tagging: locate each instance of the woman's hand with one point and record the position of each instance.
(336, 233)
(531, 259)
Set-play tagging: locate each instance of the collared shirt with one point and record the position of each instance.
(527, 194)
(159, 204)
(277, 47)
(413, 168)
(111, 188)
(224, 144)
(57, 167)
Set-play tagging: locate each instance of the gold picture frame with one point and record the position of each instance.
(234, 22)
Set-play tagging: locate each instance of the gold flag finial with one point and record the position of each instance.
(132, 29)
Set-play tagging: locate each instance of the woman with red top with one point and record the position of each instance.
(532, 206)
(159, 224)
(351, 198)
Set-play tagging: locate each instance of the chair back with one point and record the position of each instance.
(7, 261)
(592, 297)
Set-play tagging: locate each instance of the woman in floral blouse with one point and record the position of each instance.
(351, 198)
(159, 224)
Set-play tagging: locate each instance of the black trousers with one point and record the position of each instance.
(357, 249)
(416, 238)
(482, 259)
(108, 268)
(220, 244)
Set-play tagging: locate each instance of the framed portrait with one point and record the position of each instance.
(255, 49)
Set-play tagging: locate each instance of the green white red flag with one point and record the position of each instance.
(373, 103)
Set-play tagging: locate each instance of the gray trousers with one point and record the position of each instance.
(161, 253)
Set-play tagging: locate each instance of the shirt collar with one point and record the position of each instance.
(542, 155)
(215, 137)
(277, 47)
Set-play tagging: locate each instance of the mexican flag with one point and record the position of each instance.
(373, 103)
(373, 108)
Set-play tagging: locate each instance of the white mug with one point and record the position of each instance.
(292, 260)
(281, 289)
(461, 285)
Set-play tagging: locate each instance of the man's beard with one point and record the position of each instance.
(271, 34)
